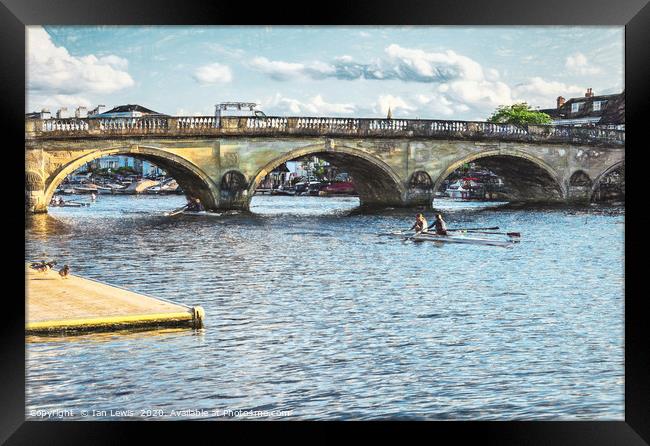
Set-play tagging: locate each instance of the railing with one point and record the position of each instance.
(198, 122)
(142, 124)
(315, 126)
(63, 125)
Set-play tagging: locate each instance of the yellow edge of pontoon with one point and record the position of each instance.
(195, 316)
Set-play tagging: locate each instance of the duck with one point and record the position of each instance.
(63, 272)
(42, 266)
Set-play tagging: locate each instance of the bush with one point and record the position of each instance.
(518, 114)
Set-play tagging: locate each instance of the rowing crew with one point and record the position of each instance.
(421, 225)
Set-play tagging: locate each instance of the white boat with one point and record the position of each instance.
(104, 190)
(85, 190)
(205, 213)
(462, 188)
(433, 237)
(69, 204)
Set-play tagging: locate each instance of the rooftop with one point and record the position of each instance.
(132, 108)
(586, 110)
(614, 113)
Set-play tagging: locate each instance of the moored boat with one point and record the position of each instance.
(290, 191)
(465, 188)
(104, 190)
(341, 187)
(88, 189)
(69, 204)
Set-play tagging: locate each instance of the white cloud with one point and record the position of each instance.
(462, 83)
(213, 73)
(419, 65)
(315, 106)
(428, 105)
(406, 64)
(52, 72)
(284, 71)
(578, 64)
(539, 92)
(56, 101)
(396, 104)
(447, 100)
(479, 94)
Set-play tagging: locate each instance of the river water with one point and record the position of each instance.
(311, 315)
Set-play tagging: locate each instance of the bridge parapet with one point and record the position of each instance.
(317, 126)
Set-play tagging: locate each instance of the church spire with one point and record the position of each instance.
(390, 115)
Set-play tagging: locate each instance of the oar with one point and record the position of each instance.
(398, 232)
(177, 211)
(510, 234)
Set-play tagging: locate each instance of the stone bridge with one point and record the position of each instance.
(393, 162)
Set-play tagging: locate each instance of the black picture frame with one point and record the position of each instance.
(16, 14)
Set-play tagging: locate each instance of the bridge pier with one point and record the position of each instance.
(578, 195)
(422, 199)
(34, 193)
(418, 191)
(35, 202)
(233, 201)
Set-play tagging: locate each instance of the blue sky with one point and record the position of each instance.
(420, 72)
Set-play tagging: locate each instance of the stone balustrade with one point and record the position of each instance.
(315, 126)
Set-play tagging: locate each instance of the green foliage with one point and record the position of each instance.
(519, 114)
(319, 171)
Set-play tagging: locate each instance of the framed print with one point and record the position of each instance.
(400, 213)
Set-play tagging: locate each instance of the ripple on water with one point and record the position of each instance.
(309, 311)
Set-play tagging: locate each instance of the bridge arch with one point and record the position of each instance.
(532, 179)
(233, 190)
(580, 178)
(420, 188)
(600, 177)
(374, 180)
(191, 178)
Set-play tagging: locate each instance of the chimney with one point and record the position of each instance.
(97, 110)
(560, 101)
(81, 112)
(62, 113)
(589, 93)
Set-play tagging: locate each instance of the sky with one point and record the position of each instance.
(425, 72)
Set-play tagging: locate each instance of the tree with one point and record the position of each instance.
(518, 114)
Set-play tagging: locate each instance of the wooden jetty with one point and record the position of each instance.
(56, 305)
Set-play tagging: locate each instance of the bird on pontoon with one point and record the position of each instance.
(42, 266)
(64, 271)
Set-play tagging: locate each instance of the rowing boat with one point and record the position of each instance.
(432, 237)
(210, 214)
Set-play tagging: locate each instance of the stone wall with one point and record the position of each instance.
(383, 167)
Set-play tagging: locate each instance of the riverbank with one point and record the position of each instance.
(56, 305)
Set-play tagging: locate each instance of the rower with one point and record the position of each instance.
(194, 205)
(440, 225)
(420, 224)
